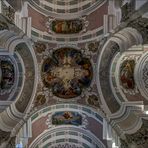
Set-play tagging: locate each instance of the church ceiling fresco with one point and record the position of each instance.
(7, 75)
(52, 88)
(67, 26)
(72, 28)
(76, 71)
(67, 73)
(66, 118)
(60, 117)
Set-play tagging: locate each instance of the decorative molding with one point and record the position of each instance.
(84, 12)
(80, 131)
(120, 38)
(125, 110)
(141, 25)
(140, 138)
(141, 75)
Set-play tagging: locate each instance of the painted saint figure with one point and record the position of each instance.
(127, 74)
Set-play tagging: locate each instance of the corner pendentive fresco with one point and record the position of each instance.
(127, 74)
(67, 26)
(67, 117)
(67, 73)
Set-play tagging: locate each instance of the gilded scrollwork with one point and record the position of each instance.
(40, 100)
(93, 46)
(8, 11)
(39, 47)
(93, 100)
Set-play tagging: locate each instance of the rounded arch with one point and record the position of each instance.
(141, 74)
(45, 115)
(18, 110)
(119, 42)
(77, 136)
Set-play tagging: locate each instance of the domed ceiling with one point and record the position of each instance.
(79, 75)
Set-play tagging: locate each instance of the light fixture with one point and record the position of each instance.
(146, 112)
(20, 145)
(113, 145)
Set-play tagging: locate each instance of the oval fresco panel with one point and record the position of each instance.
(127, 74)
(67, 26)
(67, 73)
(67, 118)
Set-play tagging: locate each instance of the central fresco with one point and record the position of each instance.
(67, 72)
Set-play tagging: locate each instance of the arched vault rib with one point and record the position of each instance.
(19, 108)
(117, 43)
